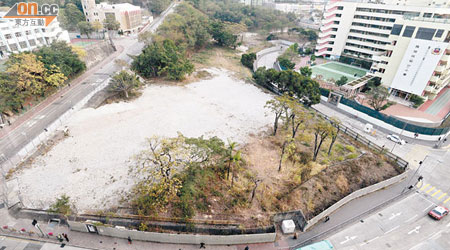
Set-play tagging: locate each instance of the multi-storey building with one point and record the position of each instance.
(129, 16)
(15, 38)
(405, 45)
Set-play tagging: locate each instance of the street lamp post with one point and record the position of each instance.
(415, 172)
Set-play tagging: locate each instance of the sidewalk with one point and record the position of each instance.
(331, 110)
(47, 102)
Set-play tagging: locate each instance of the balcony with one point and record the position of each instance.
(434, 79)
(440, 69)
(444, 58)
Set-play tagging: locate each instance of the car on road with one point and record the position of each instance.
(396, 139)
(438, 212)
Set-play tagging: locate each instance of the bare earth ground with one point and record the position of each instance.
(91, 165)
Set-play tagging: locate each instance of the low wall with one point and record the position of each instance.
(176, 238)
(354, 195)
(385, 125)
(297, 216)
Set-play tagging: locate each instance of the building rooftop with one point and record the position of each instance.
(119, 6)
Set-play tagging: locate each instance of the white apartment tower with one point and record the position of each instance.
(405, 44)
(15, 38)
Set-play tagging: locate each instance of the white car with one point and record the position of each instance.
(396, 139)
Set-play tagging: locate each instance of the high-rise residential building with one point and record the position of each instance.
(16, 38)
(129, 16)
(406, 45)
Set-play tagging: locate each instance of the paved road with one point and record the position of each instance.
(405, 225)
(16, 139)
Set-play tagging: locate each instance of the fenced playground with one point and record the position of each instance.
(335, 70)
(81, 42)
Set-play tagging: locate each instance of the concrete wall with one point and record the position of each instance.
(177, 238)
(354, 195)
(97, 52)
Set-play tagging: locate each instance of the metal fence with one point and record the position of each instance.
(403, 164)
(389, 119)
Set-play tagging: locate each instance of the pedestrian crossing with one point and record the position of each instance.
(435, 192)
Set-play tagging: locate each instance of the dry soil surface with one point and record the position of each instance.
(91, 165)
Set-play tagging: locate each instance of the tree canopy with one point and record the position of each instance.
(163, 59)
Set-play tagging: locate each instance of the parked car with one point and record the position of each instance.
(396, 139)
(438, 212)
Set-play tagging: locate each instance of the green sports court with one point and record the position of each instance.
(335, 70)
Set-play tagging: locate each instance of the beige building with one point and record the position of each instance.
(129, 16)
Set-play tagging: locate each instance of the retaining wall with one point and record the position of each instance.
(354, 195)
(176, 238)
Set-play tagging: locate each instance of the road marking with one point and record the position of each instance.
(428, 207)
(426, 185)
(429, 190)
(367, 242)
(410, 219)
(394, 215)
(391, 230)
(436, 235)
(347, 239)
(442, 196)
(435, 193)
(448, 199)
(415, 230)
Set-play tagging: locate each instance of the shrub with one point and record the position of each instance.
(248, 59)
(62, 205)
(350, 148)
(417, 100)
(352, 156)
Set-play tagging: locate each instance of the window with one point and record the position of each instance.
(334, 29)
(340, 7)
(439, 33)
(427, 14)
(23, 45)
(13, 46)
(425, 33)
(32, 42)
(8, 36)
(18, 34)
(409, 30)
(338, 15)
(28, 32)
(336, 22)
(396, 29)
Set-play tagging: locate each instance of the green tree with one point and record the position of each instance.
(164, 58)
(278, 106)
(63, 56)
(417, 100)
(322, 130)
(342, 81)
(85, 28)
(285, 63)
(378, 98)
(306, 71)
(62, 205)
(123, 83)
(248, 59)
(222, 36)
(336, 123)
(71, 16)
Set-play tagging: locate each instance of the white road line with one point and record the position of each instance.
(415, 230)
(347, 239)
(391, 230)
(410, 219)
(367, 242)
(394, 215)
(436, 235)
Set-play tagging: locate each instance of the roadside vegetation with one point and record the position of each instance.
(31, 77)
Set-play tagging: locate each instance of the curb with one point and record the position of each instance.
(347, 222)
(43, 241)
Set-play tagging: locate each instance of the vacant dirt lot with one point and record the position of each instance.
(91, 164)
